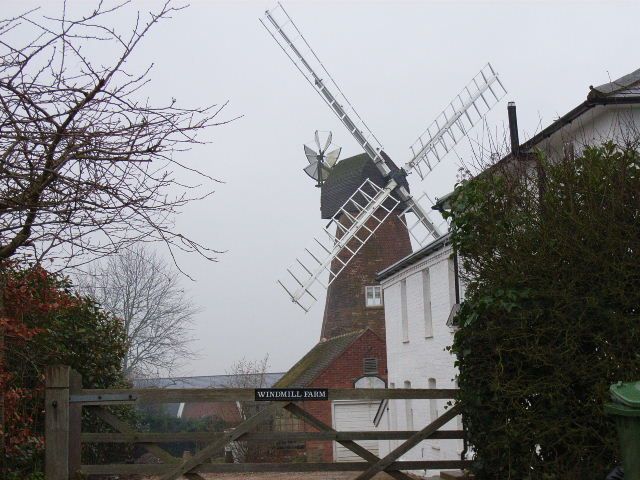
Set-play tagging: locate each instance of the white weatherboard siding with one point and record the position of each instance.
(350, 416)
(418, 356)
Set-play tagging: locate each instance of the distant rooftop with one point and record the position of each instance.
(206, 381)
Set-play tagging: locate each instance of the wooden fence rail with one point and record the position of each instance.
(65, 398)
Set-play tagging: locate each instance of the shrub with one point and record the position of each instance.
(551, 254)
(46, 323)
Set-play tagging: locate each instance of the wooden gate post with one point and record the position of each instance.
(56, 426)
(75, 425)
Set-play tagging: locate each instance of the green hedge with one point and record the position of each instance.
(551, 253)
(46, 323)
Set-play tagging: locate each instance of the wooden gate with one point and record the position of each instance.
(65, 398)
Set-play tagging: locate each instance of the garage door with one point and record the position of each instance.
(352, 416)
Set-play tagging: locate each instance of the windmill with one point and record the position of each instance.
(370, 205)
(321, 162)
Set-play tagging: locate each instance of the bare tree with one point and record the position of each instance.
(249, 374)
(144, 291)
(87, 163)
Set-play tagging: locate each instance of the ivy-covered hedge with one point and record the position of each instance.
(551, 253)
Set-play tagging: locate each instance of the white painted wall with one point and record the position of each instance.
(423, 356)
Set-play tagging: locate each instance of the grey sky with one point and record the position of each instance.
(399, 63)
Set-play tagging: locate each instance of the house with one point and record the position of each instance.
(351, 360)
(422, 292)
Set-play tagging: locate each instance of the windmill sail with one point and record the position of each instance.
(285, 32)
(281, 27)
(473, 102)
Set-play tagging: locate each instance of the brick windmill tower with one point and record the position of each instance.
(354, 298)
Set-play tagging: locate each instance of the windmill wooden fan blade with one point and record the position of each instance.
(315, 169)
(328, 142)
(332, 157)
(311, 155)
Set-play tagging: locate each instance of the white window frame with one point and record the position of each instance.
(426, 300)
(404, 313)
(408, 408)
(373, 289)
(433, 403)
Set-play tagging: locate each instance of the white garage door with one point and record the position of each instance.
(352, 416)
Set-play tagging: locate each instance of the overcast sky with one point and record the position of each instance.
(399, 63)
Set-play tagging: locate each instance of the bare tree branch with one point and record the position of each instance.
(87, 163)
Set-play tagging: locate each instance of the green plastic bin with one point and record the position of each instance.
(625, 407)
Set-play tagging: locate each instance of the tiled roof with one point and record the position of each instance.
(317, 360)
(622, 88)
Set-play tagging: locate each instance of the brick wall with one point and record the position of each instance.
(343, 373)
(345, 310)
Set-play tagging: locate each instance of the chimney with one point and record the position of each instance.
(513, 129)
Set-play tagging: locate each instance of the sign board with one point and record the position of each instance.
(291, 394)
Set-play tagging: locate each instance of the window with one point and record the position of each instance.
(433, 403)
(373, 296)
(426, 302)
(404, 313)
(408, 408)
(392, 411)
(369, 382)
(452, 283)
(370, 366)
